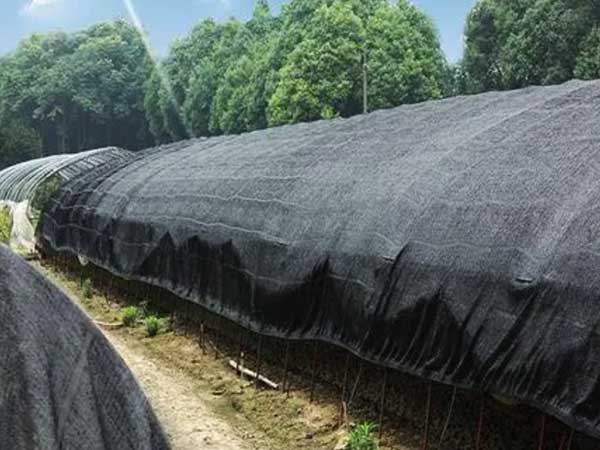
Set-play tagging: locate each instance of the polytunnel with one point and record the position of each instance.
(62, 385)
(19, 182)
(455, 240)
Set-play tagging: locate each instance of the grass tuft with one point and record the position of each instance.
(362, 437)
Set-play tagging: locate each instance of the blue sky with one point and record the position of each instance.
(168, 19)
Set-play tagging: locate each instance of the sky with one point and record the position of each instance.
(165, 20)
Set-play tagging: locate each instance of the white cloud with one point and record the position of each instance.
(34, 7)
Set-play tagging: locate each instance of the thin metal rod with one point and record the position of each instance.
(360, 369)
(259, 361)
(542, 433)
(345, 380)
(382, 402)
(314, 371)
(480, 424)
(563, 441)
(240, 350)
(571, 439)
(202, 339)
(427, 417)
(217, 337)
(448, 417)
(285, 366)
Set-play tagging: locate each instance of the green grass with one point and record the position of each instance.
(5, 225)
(152, 325)
(87, 290)
(362, 437)
(130, 315)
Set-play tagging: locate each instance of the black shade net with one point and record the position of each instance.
(62, 385)
(457, 240)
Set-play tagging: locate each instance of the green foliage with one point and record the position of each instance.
(18, 142)
(362, 437)
(306, 64)
(130, 315)
(87, 289)
(44, 192)
(588, 61)
(323, 73)
(79, 91)
(5, 225)
(152, 325)
(516, 43)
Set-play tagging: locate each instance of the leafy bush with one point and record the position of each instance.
(87, 289)
(5, 225)
(44, 192)
(362, 438)
(152, 325)
(130, 315)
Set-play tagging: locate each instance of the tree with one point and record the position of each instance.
(79, 91)
(515, 43)
(405, 62)
(588, 61)
(322, 78)
(18, 143)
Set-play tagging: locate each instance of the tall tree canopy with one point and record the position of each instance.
(515, 43)
(79, 91)
(304, 65)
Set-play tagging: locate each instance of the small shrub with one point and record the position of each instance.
(362, 438)
(5, 225)
(44, 192)
(130, 315)
(152, 325)
(87, 289)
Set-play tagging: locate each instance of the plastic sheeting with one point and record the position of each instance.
(19, 182)
(62, 386)
(457, 240)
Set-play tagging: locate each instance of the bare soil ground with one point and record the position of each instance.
(201, 402)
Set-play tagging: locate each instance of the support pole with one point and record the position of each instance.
(217, 337)
(258, 360)
(286, 359)
(382, 402)
(425, 444)
(314, 371)
(570, 442)
(542, 439)
(480, 424)
(240, 350)
(448, 417)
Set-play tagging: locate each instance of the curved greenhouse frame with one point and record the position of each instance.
(19, 182)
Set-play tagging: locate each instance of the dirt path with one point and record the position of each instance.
(185, 411)
(184, 405)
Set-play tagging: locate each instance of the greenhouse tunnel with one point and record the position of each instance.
(62, 385)
(455, 240)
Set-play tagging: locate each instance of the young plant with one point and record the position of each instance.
(130, 315)
(87, 289)
(362, 437)
(152, 325)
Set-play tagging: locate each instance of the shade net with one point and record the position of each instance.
(62, 385)
(456, 240)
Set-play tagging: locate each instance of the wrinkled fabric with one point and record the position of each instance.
(62, 385)
(457, 240)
